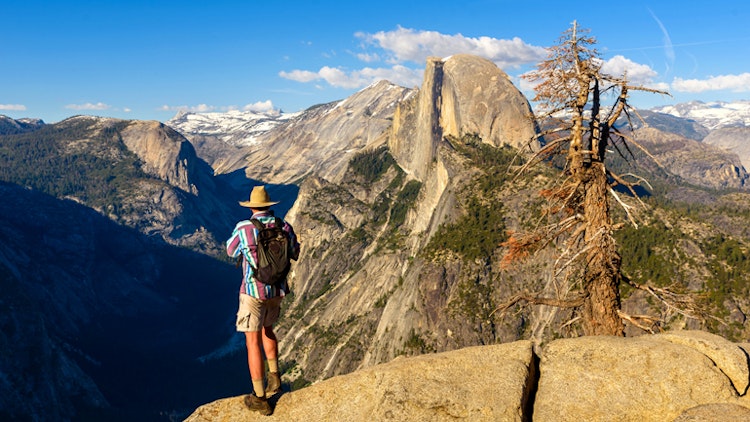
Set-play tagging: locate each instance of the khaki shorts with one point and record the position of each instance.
(255, 313)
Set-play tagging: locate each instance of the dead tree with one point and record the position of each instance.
(570, 89)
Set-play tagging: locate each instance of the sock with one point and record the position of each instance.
(260, 391)
(273, 365)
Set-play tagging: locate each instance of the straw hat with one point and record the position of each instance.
(258, 198)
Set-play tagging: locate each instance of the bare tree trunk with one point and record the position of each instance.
(601, 276)
(571, 79)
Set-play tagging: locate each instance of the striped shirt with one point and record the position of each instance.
(243, 242)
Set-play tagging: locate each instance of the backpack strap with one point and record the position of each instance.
(258, 225)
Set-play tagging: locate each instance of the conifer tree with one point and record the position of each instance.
(570, 90)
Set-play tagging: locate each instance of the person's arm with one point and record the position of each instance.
(293, 240)
(242, 241)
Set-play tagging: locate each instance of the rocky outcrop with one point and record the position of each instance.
(490, 383)
(732, 139)
(698, 163)
(165, 153)
(676, 376)
(641, 378)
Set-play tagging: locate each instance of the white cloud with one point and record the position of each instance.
(416, 46)
(400, 75)
(13, 107)
(300, 75)
(636, 73)
(260, 106)
(408, 45)
(200, 108)
(368, 58)
(526, 85)
(736, 83)
(88, 106)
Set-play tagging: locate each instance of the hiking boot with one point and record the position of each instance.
(274, 384)
(257, 404)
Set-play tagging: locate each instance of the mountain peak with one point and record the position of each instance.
(712, 115)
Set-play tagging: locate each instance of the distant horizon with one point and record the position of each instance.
(140, 60)
(283, 112)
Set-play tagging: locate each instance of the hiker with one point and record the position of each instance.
(259, 303)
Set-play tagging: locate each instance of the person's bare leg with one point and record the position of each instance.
(271, 347)
(270, 344)
(256, 402)
(255, 360)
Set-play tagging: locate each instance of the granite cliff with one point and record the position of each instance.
(733, 140)
(461, 95)
(362, 282)
(402, 232)
(697, 163)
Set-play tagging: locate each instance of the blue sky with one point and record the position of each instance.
(148, 59)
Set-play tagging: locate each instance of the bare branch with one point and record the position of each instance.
(550, 132)
(640, 179)
(632, 320)
(645, 89)
(683, 304)
(622, 139)
(543, 153)
(570, 322)
(629, 185)
(617, 109)
(581, 251)
(613, 143)
(551, 112)
(625, 207)
(642, 148)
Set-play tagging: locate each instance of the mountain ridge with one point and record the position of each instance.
(142, 174)
(712, 115)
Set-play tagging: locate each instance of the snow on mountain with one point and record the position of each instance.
(242, 128)
(713, 114)
(234, 127)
